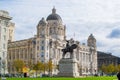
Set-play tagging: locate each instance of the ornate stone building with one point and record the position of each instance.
(6, 33)
(47, 44)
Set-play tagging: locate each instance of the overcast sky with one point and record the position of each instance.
(81, 17)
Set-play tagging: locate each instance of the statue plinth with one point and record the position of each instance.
(68, 67)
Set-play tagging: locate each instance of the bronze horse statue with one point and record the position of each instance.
(69, 49)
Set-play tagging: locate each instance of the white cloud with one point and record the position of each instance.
(81, 17)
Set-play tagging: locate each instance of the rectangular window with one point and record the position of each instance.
(47, 54)
(10, 55)
(4, 37)
(42, 55)
(4, 46)
(47, 47)
(37, 47)
(31, 56)
(42, 42)
(42, 47)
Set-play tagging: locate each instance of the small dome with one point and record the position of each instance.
(91, 37)
(54, 16)
(42, 22)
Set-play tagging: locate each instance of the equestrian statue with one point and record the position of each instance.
(70, 46)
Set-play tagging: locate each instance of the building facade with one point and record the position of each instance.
(107, 59)
(5, 27)
(47, 45)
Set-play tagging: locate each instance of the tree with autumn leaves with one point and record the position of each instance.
(109, 69)
(43, 67)
(39, 67)
(18, 65)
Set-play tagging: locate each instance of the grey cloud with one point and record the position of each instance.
(114, 33)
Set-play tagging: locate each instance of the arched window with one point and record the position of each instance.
(50, 30)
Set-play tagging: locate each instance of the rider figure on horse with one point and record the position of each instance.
(69, 48)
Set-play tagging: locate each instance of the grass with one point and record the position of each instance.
(58, 78)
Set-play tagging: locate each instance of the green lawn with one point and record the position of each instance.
(82, 78)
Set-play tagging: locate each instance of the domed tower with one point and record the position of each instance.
(42, 28)
(42, 39)
(56, 28)
(91, 42)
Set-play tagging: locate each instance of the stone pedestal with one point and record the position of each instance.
(68, 68)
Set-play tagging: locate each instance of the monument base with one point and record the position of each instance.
(68, 68)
